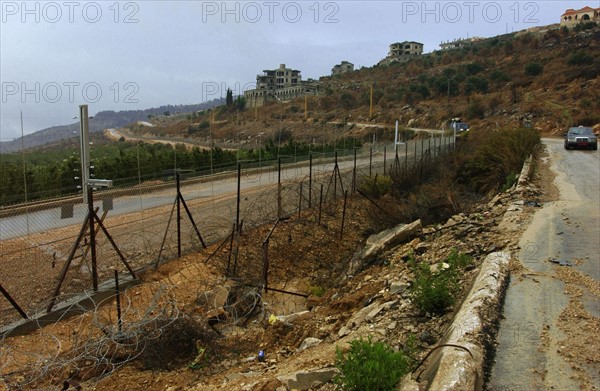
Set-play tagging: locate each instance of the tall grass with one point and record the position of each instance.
(484, 162)
(495, 157)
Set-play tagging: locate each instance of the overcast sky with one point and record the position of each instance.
(128, 55)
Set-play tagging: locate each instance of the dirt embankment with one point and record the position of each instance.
(375, 302)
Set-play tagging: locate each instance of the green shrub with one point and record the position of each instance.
(459, 260)
(204, 125)
(582, 26)
(476, 84)
(347, 100)
(511, 179)
(495, 155)
(376, 186)
(534, 69)
(499, 76)
(370, 366)
(475, 110)
(474, 68)
(434, 292)
(580, 58)
(316, 290)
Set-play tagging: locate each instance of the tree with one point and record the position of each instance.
(240, 103)
(534, 69)
(580, 58)
(229, 98)
(476, 84)
(347, 100)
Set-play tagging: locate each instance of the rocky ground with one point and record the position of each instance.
(299, 340)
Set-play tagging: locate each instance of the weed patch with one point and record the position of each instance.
(372, 366)
(435, 289)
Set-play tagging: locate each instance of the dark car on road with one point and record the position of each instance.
(581, 137)
(459, 126)
(462, 127)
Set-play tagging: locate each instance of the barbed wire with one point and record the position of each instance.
(100, 342)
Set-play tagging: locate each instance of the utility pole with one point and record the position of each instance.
(24, 173)
(371, 103)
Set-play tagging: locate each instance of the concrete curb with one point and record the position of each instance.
(526, 172)
(461, 367)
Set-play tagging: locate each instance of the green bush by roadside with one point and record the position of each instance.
(373, 366)
(435, 289)
(496, 157)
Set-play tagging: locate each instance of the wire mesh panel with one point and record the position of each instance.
(142, 225)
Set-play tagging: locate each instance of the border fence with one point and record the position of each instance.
(232, 231)
(54, 251)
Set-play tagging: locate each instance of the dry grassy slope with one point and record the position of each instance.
(562, 95)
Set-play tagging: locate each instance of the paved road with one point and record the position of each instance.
(532, 334)
(221, 185)
(45, 220)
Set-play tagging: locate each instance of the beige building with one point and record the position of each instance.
(343, 67)
(402, 51)
(587, 14)
(281, 84)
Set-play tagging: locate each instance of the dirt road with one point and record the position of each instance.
(549, 337)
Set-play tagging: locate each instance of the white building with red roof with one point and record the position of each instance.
(586, 14)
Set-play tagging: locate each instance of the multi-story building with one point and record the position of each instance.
(587, 14)
(343, 67)
(402, 51)
(281, 84)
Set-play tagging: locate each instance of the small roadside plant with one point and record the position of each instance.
(434, 291)
(458, 260)
(511, 179)
(372, 366)
(316, 290)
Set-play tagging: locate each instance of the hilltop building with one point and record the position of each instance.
(459, 43)
(402, 51)
(279, 84)
(587, 14)
(343, 67)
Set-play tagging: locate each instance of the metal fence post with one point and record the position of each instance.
(91, 213)
(177, 178)
(310, 181)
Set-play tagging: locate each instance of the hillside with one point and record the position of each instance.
(99, 122)
(192, 325)
(546, 77)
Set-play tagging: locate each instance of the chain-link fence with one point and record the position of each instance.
(235, 240)
(48, 255)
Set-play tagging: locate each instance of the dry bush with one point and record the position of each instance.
(426, 191)
(176, 342)
(496, 156)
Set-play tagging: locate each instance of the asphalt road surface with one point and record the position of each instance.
(534, 339)
(221, 185)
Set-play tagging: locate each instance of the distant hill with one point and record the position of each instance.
(101, 121)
